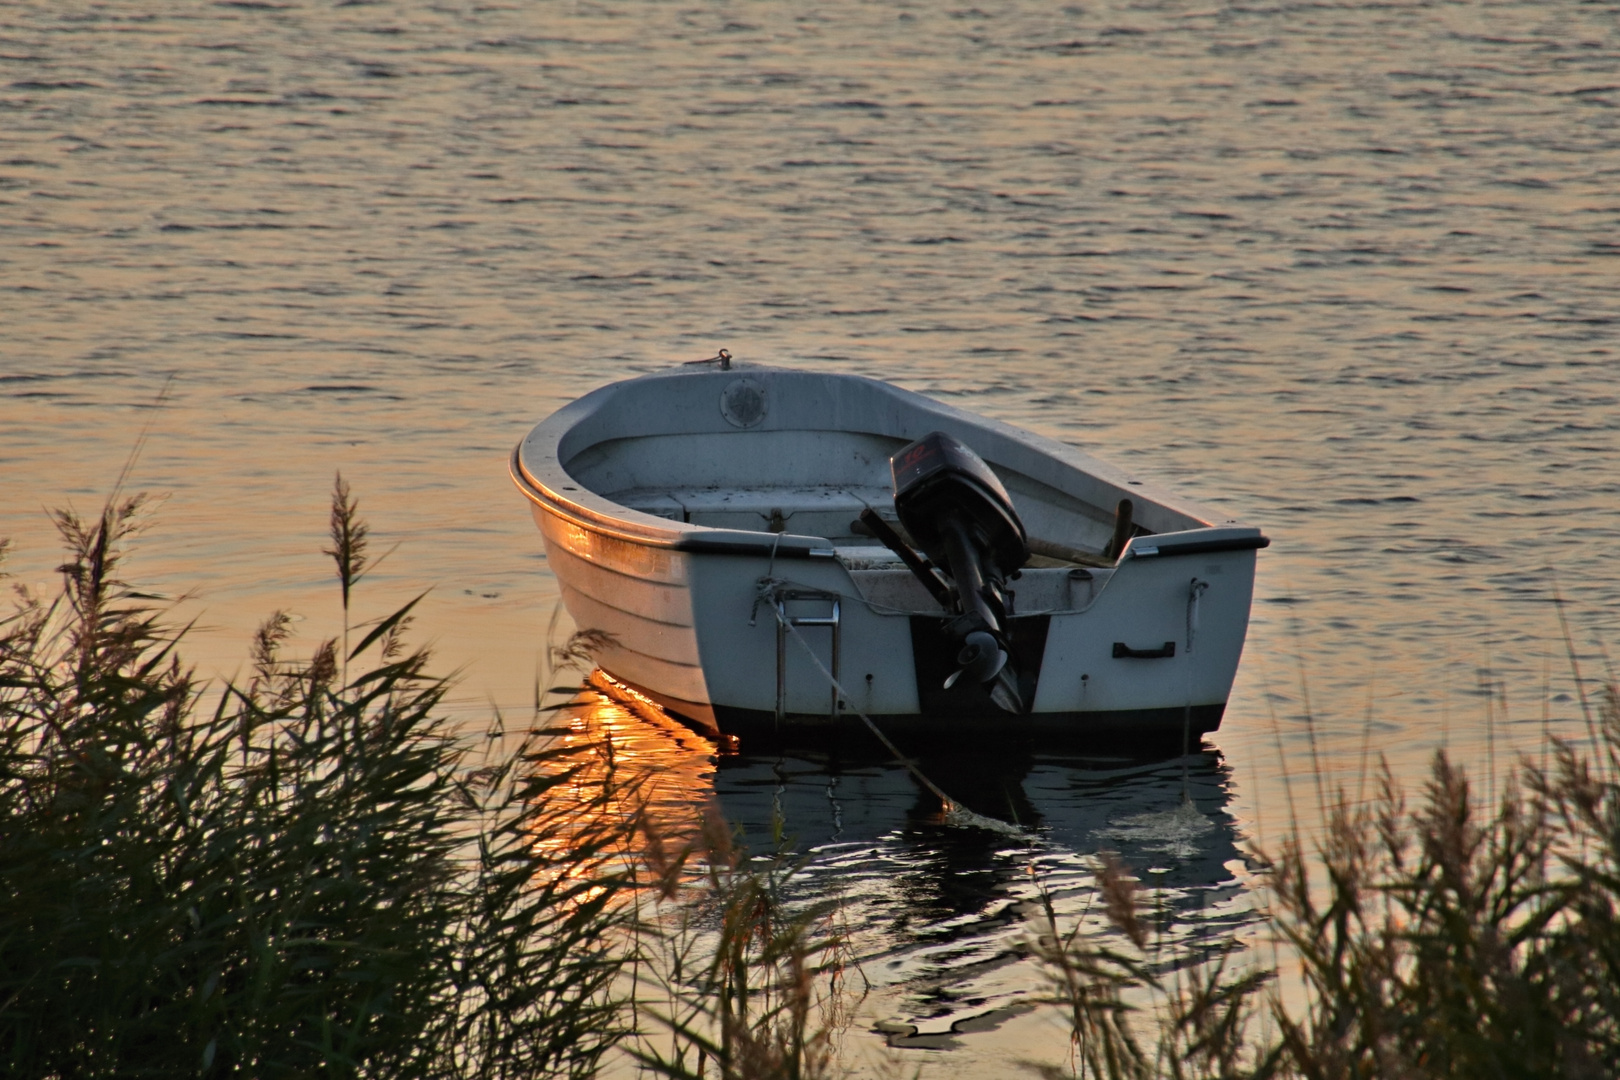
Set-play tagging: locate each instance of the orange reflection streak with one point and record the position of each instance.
(634, 765)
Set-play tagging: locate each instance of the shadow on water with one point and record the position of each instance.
(940, 916)
(948, 907)
(1135, 808)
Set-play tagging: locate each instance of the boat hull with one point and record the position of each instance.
(691, 631)
(773, 637)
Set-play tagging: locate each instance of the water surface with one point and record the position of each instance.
(1345, 271)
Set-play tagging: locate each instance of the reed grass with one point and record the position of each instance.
(1451, 937)
(303, 875)
(750, 986)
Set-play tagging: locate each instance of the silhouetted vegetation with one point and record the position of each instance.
(1453, 938)
(303, 875)
(309, 873)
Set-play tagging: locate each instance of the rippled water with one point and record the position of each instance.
(1348, 270)
(939, 918)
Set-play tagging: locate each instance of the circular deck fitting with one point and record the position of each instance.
(743, 403)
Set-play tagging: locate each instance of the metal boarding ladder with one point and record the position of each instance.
(782, 598)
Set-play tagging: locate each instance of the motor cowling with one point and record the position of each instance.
(959, 514)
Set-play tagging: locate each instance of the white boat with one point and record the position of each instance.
(732, 537)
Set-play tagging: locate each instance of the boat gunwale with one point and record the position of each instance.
(635, 526)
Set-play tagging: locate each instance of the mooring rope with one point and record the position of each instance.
(1194, 592)
(955, 812)
(764, 586)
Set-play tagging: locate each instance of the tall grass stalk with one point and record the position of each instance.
(351, 541)
(750, 984)
(1134, 1012)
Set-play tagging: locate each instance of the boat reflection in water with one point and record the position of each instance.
(940, 915)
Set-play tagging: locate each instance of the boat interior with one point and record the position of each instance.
(817, 483)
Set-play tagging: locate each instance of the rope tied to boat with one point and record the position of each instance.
(723, 358)
(1194, 592)
(766, 588)
(955, 812)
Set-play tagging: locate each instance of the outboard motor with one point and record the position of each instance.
(960, 515)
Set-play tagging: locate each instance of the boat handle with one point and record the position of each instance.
(1123, 651)
(1145, 548)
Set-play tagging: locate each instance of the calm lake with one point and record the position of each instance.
(1349, 271)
